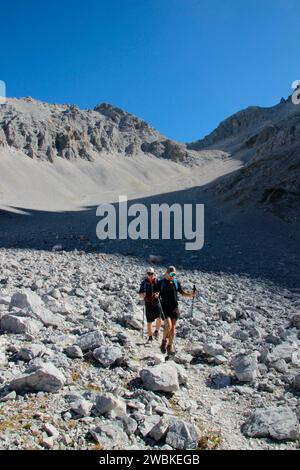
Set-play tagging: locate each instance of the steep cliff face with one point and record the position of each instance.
(232, 128)
(267, 140)
(45, 131)
(246, 131)
(271, 181)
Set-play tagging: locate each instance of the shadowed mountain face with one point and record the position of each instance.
(235, 242)
(46, 131)
(268, 141)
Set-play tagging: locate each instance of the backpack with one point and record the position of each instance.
(149, 295)
(175, 283)
(144, 283)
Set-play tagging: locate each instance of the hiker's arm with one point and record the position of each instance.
(141, 292)
(184, 293)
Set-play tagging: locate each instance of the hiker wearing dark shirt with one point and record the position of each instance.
(169, 287)
(149, 291)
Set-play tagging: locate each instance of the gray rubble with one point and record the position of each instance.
(93, 382)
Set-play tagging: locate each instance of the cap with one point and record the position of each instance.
(150, 270)
(171, 269)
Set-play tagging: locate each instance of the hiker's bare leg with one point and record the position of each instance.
(168, 325)
(173, 328)
(149, 328)
(172, 334)
(158, 323)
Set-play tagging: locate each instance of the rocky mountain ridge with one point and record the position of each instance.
(267, 140)
(47, 131)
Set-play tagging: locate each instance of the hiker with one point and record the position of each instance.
(149, 291)
(169, 287)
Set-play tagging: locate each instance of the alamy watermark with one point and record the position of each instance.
(163, 222)
(296, 94)
(2, 92)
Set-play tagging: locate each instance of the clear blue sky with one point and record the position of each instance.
(182, 65)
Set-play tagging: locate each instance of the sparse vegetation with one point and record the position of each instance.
(97, 447)
(21, 416)
(178, 411)
(76, 376)
(210, 440)
(93, 387)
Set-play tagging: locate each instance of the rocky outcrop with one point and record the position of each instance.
(241, 123)
(48, 131)
(166, 149)
(267, 140)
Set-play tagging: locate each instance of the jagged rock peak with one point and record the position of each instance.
(47, 131)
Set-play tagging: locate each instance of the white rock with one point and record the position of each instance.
(133, 322)
(57, 247)
(245, 367)
(181, 372)
(8, 397)
(295, 320)
(4, 300)
(182, 435)
(82, 407)
(108, 403)
(3, 359)
(66, 440)
(163, 378)
(46, 378)
(91, 340)
(74, 352)
(48, 442)
(51, 430)
(19, 325)
(228, 315)
(160, 429)
(27, 353)
(25, 299)
(147, 425)
(280, 365)
(107, 355)
(213, 349)
(296, 383)
(283, 351)
(278, 423)
(34, 306)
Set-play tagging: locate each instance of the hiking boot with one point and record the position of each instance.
(163, 346)
(171, 349)
(149, 341)
(156, 334)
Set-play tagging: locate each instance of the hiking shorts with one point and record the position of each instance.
(174, 313)
(152, 312)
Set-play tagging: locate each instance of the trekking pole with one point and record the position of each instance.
(163, 316)
(194, 290)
